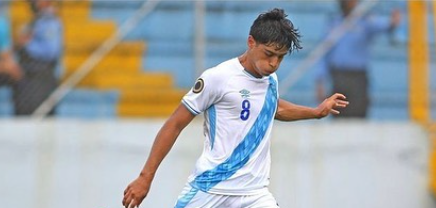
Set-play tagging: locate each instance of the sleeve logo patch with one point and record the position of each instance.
(199, 85)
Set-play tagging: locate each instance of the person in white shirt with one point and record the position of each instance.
(240, 100)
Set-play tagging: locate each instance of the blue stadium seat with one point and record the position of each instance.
(433, 87)
(160, 24)
(89, 104)
(6, 106)
(382, 113)
(311, 25)
(169, 32)
(228, 25)
(169, 48)
(166, 25)
(433, 105)
(389, 76)
(181, 67)
(5, 94)
(225, 48)
(136, 4)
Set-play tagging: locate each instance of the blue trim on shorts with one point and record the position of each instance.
(183, 201)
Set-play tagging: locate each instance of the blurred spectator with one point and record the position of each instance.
(348, 61)
(10, 72)
(40, 47)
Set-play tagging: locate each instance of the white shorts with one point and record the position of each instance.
(194, 198)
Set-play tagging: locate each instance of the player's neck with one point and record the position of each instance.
(247, 66)
(243, 59)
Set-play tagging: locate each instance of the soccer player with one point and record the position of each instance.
(240, 101)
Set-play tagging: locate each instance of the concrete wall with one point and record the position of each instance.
(316, 164)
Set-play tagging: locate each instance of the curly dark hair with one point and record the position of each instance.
(272, 27)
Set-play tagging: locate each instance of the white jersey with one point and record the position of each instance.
(239, 111)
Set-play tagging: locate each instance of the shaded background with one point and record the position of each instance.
(97, 142)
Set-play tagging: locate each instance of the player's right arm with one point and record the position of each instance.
(137, 190)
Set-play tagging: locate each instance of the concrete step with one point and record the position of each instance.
(122, 48)
(99, 71)
(148, 110)
(89, 31)
(151, 96)
(120, 62)
(127, 81)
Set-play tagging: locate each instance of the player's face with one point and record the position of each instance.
(265, 59)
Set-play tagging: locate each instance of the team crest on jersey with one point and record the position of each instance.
(245, 93)
(199, 85)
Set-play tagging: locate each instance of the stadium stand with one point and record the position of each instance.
(140, 93)
(153, 67)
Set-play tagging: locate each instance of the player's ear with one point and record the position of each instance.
(251, 42)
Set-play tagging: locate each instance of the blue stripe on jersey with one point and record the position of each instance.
(183, 201)
(190, 108)
(245, 149)
(212, 122)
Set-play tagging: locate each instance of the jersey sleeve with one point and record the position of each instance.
(5, 39)
(206, 91)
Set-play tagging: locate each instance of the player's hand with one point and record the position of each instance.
(10, 67)
(136, 192)
(331, 105)
(14, 71)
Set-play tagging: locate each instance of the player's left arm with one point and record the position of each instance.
(287, 111)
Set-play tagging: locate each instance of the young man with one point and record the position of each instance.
(239, 99)
(346, 65)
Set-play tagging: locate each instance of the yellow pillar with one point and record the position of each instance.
(419, 104)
